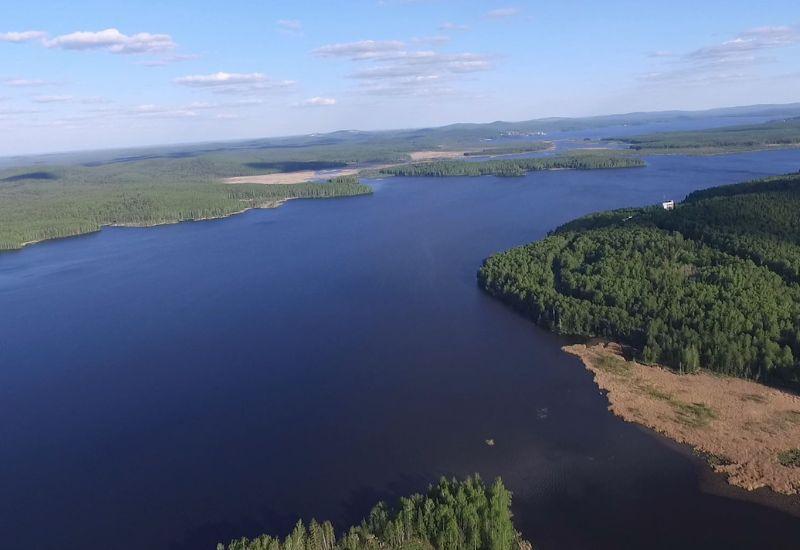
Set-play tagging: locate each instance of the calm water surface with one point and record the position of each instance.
(168, 388)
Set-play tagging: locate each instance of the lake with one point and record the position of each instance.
(171, 387)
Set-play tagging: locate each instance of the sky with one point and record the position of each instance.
(83, 74)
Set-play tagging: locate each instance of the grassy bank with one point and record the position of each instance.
(749, 432)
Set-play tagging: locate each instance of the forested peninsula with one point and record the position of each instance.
(48, 202)
(710, 288)
(714, 283)
(451, 515)
(513, 167)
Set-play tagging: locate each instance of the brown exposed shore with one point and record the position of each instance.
(745, 430)
(304, 176)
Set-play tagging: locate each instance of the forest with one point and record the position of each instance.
(511, 150)
(713, 284)
(512, 167)
(451, 515)
(769, 135)
(46, 202)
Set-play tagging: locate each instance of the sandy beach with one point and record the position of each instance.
(303, 176)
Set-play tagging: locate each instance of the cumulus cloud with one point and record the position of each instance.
(112, 40)
(243, 83)
(317, 102)
(392, 67)
(733, 60)
(364, 49)
(22, 36)
(746, 45)
(503, 13)
(426, 64)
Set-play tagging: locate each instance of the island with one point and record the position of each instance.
(514, 167)
(708, 289)
(452, 515)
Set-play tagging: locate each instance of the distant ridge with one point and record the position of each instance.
(449, 135)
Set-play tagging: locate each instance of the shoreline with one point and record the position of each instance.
(742, 429)
(271, 204)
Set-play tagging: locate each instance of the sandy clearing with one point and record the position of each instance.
(433, 155)
(740, 425)
(302, 176)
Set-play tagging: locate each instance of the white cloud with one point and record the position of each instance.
(59, 98)
(734, 60)
(112, 40)
(364, 49)
(426, 64)
(158, 111)
(436, 40)
(168, 60)
(503, 13)
(15, 112)
(52, 98)
(390, 67)
(317, 102)
(234, 83)
(26, 82)
(746, 45)
(450, 26)
(290, 26)
(221, 79)
(23, 36)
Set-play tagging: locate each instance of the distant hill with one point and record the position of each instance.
(776, 133)
(404, 140)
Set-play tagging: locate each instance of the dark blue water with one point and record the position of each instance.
(170, 387)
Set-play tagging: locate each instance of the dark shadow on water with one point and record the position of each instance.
(209, 534)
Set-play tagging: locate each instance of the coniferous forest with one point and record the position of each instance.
(452, 515)
(713, 284)
(62, 201)
(513, 167)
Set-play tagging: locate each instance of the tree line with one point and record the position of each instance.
(512, 167)
(451, 515)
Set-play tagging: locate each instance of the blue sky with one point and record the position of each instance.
(96, 74)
